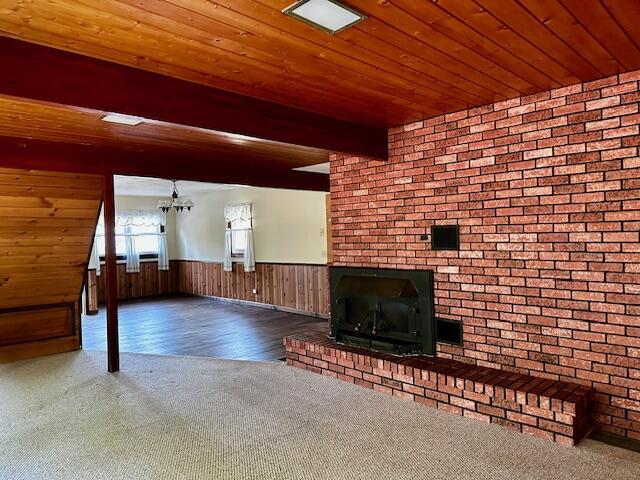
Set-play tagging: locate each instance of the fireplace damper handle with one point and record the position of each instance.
(412, 320)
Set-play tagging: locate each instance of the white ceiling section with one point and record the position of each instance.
(159, 187)
(317, 168)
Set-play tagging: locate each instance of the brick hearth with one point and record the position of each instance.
(553, 410)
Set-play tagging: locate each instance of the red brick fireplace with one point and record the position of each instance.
(546, 191)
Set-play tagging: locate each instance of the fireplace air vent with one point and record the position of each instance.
(445, 237)
(449, 331)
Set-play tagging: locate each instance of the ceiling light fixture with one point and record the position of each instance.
(328, 15)
(175, 202)
(122, 119)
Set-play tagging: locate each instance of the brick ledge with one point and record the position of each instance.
(549, 409)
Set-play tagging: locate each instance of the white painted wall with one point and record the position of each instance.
(289, 226)
(125, 202)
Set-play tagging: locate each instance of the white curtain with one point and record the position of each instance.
(133, 257)
(228, 264)
(125, 219)
(95, 256)
(141, 217)
(239, 213)
(249, 259)
(163, 252)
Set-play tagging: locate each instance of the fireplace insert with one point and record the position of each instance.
(383, 309)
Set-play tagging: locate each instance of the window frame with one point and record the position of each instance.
(159, 231)
(239, 254)
(120, 257)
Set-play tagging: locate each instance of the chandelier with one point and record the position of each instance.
(175, 202)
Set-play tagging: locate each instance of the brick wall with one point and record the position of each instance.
(546, 190)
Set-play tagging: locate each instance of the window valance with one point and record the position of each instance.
(139, 218)
(240, 211)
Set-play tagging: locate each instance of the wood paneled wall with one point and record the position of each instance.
(91, 299)
(299, 287)
(39, 330)
(149, 282)
(304, 288)
(47, 223)
(36, 324)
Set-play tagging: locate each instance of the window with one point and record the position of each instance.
(239, 229)
(238, 218)
(100, 243)
(145, 236)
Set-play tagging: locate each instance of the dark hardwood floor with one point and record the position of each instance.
(199, 326)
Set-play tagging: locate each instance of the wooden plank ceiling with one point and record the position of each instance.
(51, 75)
(61, 123)
(406, 61)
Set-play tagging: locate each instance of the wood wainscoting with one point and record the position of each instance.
(149, 282)
(296, 287)
(91, 299)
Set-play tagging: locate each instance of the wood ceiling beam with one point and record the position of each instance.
(66, 157)
(46, 74)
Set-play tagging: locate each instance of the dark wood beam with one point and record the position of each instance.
(46, 74)
(67, 157)
(113, 346)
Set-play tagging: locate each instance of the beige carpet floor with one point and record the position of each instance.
(64, 417)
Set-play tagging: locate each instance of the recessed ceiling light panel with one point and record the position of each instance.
(328, 15)
(122, 119)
